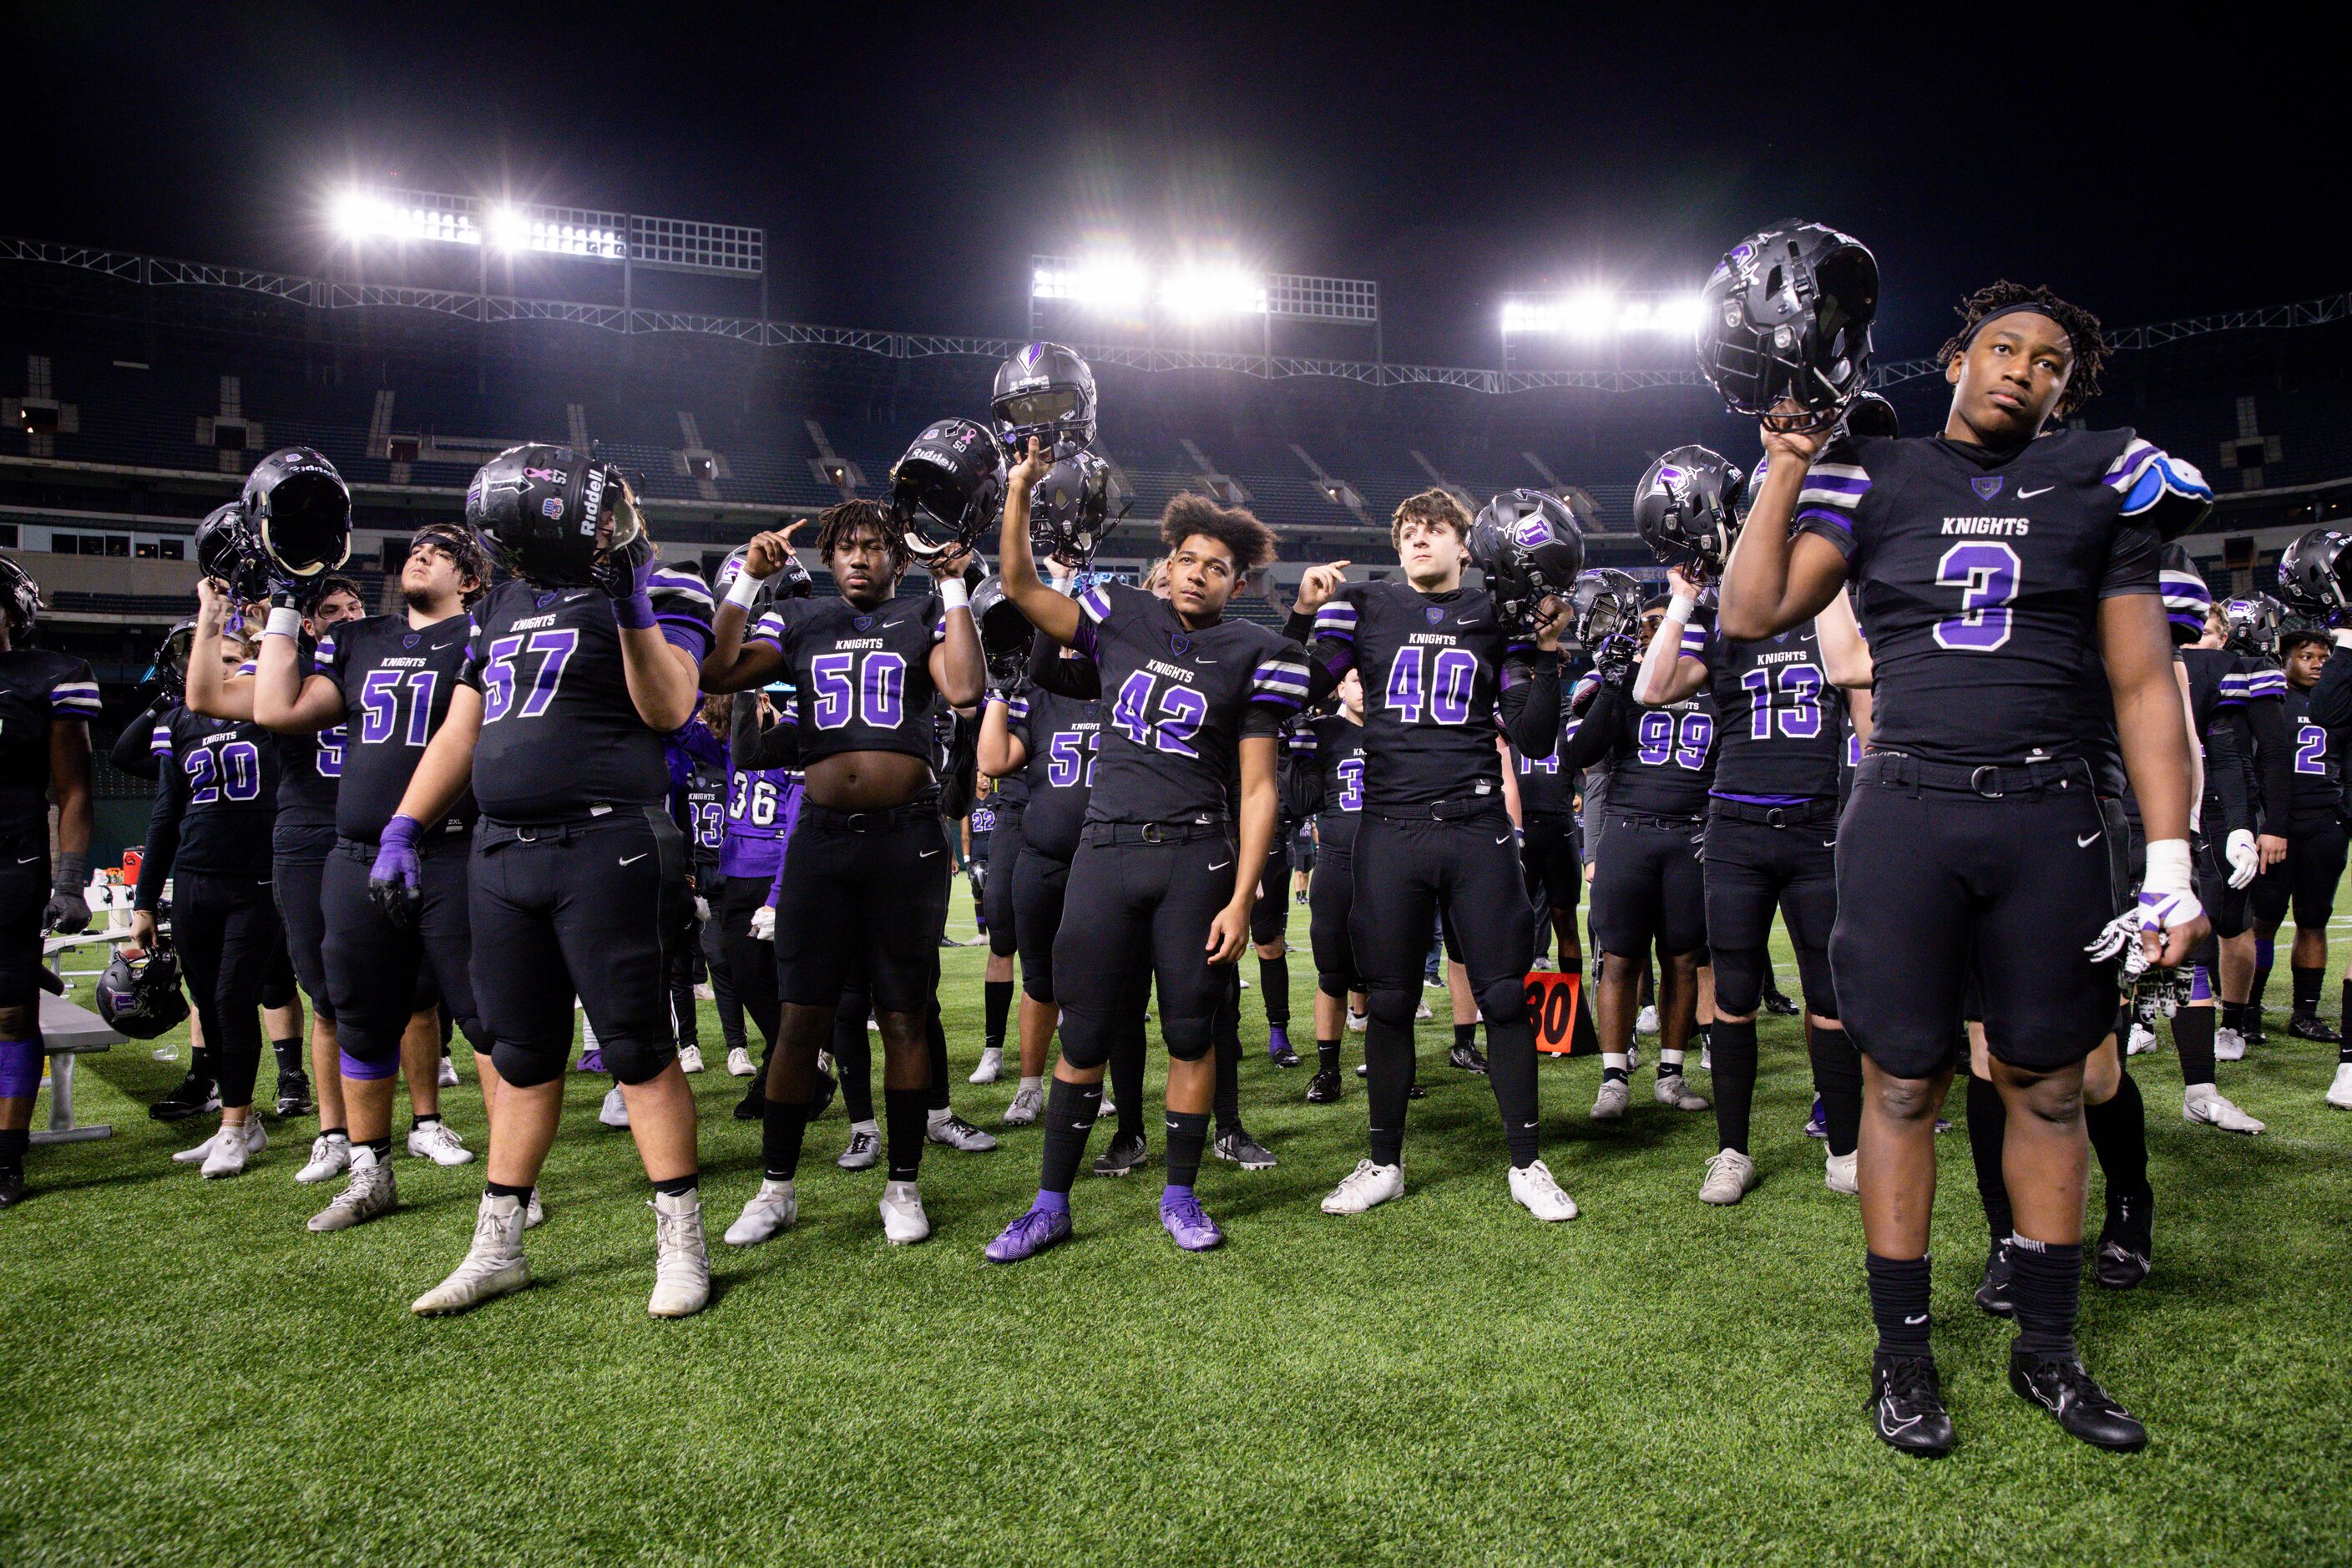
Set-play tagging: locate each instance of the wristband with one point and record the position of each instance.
(954, 596)
(401, 832)
(745, 589)
(635, 613)
(285, 621)
(2168, 866)
(72, 871)
(1679, 609)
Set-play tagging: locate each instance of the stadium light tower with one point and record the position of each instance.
(1119, 290)
(1599, 316)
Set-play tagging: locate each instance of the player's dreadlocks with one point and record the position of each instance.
(1235, 528)
(2081, 327)
(837, 525)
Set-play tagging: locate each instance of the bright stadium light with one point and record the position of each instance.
(1112, 281)
(1599, 314)
(675, 244)
(506, 228)
(1202, 293)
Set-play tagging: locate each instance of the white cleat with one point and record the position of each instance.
(681, 1257)
(2203, 1102)
(533, 1216)
(903, 1219)
(957, 1133)
(2229, 1045)
(1672, 1092)
(1610, 1105)
(234, 1149)
(1838, 1175)
(2339, 1093)
(1646, 1021)
(1533, 1189)
(769, 1213)
(615, 1111)
(865, 1147)
(690, 1059)
(493, 1266)
(448, 1072)
(369, 1194)
(330, 1154)
(1706, 1058)
(1422, 1013)
(1358, 1021)
(990, 1068)
(1729, 1176)
(1109, 1110)
(1364, 1187)
(1027, 1105)
(739, 1063)
(2143, 1040)
(197, 1155)
(438, 1141)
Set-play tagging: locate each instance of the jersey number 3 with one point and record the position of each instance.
(1987, 575)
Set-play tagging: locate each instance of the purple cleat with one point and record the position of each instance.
(1818, 1124)
(593, 1059)
(1182, 1215)
(1278, 1046)
(1030, 1235)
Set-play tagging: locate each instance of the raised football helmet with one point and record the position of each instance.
(948, 488)
(1046, 390)
(550, 515)
(1687, 508)
(1605, 602)
(1005, 635)
(1073, 507)
(228, 551)
(2313, 573)
(1531, 548)
(2255, 626)
(1786, 318)
(20, 599)
(1870, 418)
(141, 996)
(300, 510)
(2186, 596)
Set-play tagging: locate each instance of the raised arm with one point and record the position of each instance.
(1777, 580)
(1001, 754)
(958, 667)
(1053, 614)
(1674, 666)
(730, 666)
(211, 691)
(285, 698)
(752, 747)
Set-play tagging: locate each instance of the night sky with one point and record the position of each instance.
(906, 161)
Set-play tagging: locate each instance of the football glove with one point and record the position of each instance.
(67, 912)
(763, 923)
(393, 881)
(2245, 860)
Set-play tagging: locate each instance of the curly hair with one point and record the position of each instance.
(2081, 327)
(837, 525)
(1235, 528)
(1435, 507)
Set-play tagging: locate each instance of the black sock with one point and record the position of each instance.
(2192, 1041)
(1466, 1036)
(1227, 1102)
(2046, 1287)
(1734, 1082)
(1388, 1081)
(2233, 1014)
(14, 1142)
(935, 1044)
(500, 1189)
(1837, 1078)
(782, 1127)
(853, 1057)
(1898, 1303)
(1070, 1111)
(2119, 1134)
(678, 1187)
(426, 1119)
(1987, 1132)
(1511, 1074)
(1188, 1134)
(2306, 987)
(1274, 984)
(289, 1057)
(383, 1147)
(1127, 1054)
(906, 1118)
(200, 1064)
(335, 1132)
(998, 1005)
(2259, 993)
(1326, 1052)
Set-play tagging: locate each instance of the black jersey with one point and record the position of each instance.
(1060, 736)
(1779, 714)
(1547, 787)
(395, 681)
(701, 802)
(2318, 790)
(39, 688)
(1433, 668)
(216, 800)
(863, 678)
(1661, 760)
(1177, 700)
(560, 735)
(310, 772)
(1978, 578)
(1331, 749)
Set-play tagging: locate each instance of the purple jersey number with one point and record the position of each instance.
(1182, 710)
(1798, 712)
(1444, 693)
(1070, 755)
(1987, 575)
(1682, 738)
(2311, 750)
(554, 649)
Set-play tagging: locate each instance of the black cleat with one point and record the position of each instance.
(1468, 1058)
(2255, 1033)
(752, 1107)
(2312, 1026)
(1906, 1405)
(1993, 1291)
(1324, 1088)
(2081, 1408)
(192, 1096)
(1778, 1006)
(2127, 1244)
(1278, 1046)
(1237, 1147)
(821, 1095)
(1124, 1157)
(294, 1094)
(12, 1188)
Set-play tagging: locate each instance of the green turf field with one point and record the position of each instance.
(193, 1378)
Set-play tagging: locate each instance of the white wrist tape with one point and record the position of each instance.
(285, 621)
(744, 589)
(954, 594)
(2168, 866)
(1679, 609)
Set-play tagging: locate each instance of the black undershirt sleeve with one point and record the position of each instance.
(2274, 762)
(1529, 702)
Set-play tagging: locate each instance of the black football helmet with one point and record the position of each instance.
(1073, 507)
(2255, 626)
(2185, 597)
(1786, 318)
(948, 488)
(228, 551)
(20, 599)
(140, 997)
(1687, 508)
(169, 670)
(2313, 573)
(1005, 635)
(1046, 390)
(1870, 418)
(300, 510)
(544, 512)
(1531, 547)
(1606, 601)
(791, 581)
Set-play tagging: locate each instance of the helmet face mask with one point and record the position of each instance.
(140, 997)
(948, 488)
(1006, 637)
(2315, 573)
(2255, 625)
(171, 669)
(1688, 510)
(1073, 507)
(20, 599)
(1046, 392)
(1786, 318)
(1606, 604)
(227, 551)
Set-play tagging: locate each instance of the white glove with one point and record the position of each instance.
(2245, 860)
(763, 922)
(702, 909)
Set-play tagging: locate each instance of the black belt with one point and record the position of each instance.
(1441, 810)
(1107, 832)
(1651, 819)
(924, 809)
(1800, 815)
(1991, 781)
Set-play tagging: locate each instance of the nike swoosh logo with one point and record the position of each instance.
(1220, 865)
(1915, 1322)
(925, 854)
(1505, 839)
(1829, 843)
(569, 599)
(28, 860)
(632, 860)
(2029, 495)
(2085, 843)
(1889, 1424)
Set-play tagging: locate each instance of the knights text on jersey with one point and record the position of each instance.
(1060, 736)
(395, 681)
(225, 774)
(1177, 700)
(1433, 666)
(863, 676)
(1778, 716)
(38, 687)
(1978, 578)
(1333, 745)
(560, 734)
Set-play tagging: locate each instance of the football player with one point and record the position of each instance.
(576, 667)
(2001, 569)
(2318, 718)
(763, 803)
(1328, 754)
(863, 886)
(1439, 661)
(2259, 686)
(698, 804)
(47, 701)
(1167, 868)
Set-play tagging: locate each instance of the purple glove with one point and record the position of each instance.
(628, 573)
(393, 880)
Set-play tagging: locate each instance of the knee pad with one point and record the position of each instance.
(20, 1069)
(1503, 1002)
(637, 1061)
(1391, 1008)
(1739, 981)
(1188, 1039)
(527, 1067)
(1335, 986)
(1813, 975)
(1086, 1038)
(279, 991)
